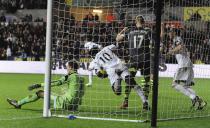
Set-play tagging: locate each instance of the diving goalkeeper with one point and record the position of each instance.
(71, 98)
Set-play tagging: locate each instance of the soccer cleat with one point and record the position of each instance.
(88, 85)
(13, 103)
(201, 104)
(195, 102)
(146, 106)
(198, 103)
(124, 105)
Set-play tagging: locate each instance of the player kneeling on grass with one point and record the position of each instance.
(71, 98)
(116, 71)
(183, 78)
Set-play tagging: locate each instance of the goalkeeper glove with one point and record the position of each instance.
(34, 86)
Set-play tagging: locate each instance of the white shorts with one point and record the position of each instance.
(113, 76)
(184, 74)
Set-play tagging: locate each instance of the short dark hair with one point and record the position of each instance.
(140, 19)
(74, 64)
(93, 51)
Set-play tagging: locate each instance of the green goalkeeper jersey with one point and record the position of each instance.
(70, 99)
(75, 85)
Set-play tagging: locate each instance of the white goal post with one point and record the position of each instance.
(46, 106)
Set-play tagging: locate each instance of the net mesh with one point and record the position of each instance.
(186, 20)
(75, 22)
(99, 21)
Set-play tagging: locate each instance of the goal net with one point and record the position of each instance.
(186, 19)
(74, 23)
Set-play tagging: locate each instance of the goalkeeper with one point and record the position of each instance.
(71, 98)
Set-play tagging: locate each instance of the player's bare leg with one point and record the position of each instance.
(197, 102)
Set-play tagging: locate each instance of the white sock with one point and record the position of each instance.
(184, 91)
(140, 93)
(90, 77)
(192, 92)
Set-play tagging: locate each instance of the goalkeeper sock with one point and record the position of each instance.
(28, 99)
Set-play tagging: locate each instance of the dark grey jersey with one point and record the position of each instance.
(139, 41)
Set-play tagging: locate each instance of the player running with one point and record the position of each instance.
(139, 52)
(107, 60)
(183, 78)
(70, 100)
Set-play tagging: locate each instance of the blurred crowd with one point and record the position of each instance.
(70, 36)
(73, 38)
(196, 42)
(23, 40)
(13, 5)
(26, 18)
(189, 3)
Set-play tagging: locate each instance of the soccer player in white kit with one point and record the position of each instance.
(183, 78)
(107, 60)
(90, 45)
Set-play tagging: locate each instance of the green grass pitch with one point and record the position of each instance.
(171, 105)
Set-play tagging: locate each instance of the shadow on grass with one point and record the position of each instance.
(27, 109)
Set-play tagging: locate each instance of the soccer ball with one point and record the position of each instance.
(101, 73)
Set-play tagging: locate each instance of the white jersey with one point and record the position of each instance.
(90, 45)
(182, 58)
(106, 58)
(109, 61)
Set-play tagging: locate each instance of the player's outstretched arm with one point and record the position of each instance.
(34, 86)
(124, 30)
(176, 50)
(59, 82)
(121, 35)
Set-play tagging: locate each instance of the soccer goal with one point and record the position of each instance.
(75, 22)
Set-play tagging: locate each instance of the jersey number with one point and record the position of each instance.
(138, 41)
(105, 57)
